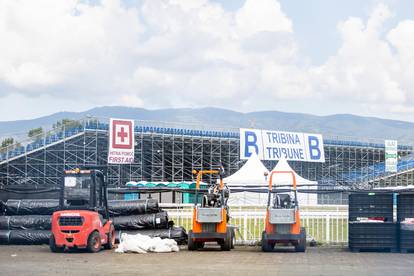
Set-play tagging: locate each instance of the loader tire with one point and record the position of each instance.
(226, 246)
(266, 245)
(192, 245)
(301, 246)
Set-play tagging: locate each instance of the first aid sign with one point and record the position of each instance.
(121, 142)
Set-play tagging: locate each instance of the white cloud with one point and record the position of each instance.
(49, 45)
(167, 53)
(262, 16)
(369, 68)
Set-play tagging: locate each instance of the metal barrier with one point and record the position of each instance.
(324, 224)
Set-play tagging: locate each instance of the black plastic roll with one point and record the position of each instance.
(48, 206)
(133, 207)
(1, 208)
(15, 207)
(4, 236)
(24, 237)
(29, 237)
(33, 222)
(145, 221)
(176, 233)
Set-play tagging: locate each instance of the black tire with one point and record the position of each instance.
(94, 242)
(233, 238)
(111, 238)
(266, 245)
(226, 246)
(200, 245)
(192, 245)
(301, 246)
(53, 246)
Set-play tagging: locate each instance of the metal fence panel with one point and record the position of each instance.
(324, 224)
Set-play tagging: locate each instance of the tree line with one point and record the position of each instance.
(38, 132)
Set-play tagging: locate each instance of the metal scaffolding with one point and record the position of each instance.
(171, 155)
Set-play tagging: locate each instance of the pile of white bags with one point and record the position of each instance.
(142, 244)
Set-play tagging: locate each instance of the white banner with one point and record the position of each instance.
(391, 155)
(121, 141)
(274, 145)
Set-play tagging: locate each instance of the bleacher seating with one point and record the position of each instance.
(56, 137)
(376, 171)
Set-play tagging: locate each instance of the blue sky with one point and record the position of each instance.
(315, 21)
(318, 56)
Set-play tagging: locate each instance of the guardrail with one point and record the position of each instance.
(325, 225)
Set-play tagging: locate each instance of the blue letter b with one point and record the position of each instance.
(250, 139)
(314, 151)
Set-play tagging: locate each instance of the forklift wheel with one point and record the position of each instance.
(111, 238)
(191, 244)
(94, 242)
(301, 246)
(53, 247)
(233, 238)
(266, 246)
(226, 246)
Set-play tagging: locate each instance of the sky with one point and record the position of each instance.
(318, 56)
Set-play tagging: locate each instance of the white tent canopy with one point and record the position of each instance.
(286, 178)
(253, 173)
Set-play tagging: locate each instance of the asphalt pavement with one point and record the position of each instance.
(38, 260)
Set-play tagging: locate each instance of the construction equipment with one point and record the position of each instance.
(282, 223)
(210, 219)
(83, 219)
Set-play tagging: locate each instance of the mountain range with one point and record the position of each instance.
(342, 125)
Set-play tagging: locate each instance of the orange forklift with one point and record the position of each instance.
(211, 218)
(83, 219)
(282, 225)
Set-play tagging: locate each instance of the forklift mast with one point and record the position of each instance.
(84, 190)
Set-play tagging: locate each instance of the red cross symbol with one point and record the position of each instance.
(122, 134)
(123, 130)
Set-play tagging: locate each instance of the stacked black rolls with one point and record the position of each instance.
(146, 218)
(29, 221)
(26, 221)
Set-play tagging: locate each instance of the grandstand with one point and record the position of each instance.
(169, 152)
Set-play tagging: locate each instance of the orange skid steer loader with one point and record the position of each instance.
(282, 225)
(210, 219)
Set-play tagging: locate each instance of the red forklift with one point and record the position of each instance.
(211, 218)
(83, 219)
(282, 225)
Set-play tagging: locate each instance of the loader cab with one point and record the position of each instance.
(283, 201)
(84, 190)
(215, 197)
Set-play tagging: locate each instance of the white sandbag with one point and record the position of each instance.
(408, 221)
(142, 244)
